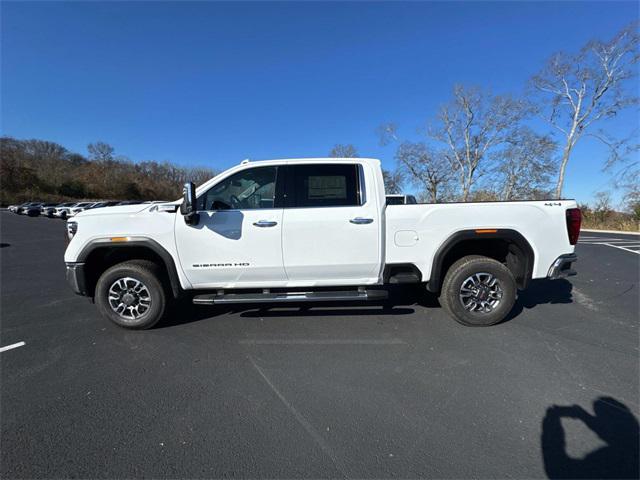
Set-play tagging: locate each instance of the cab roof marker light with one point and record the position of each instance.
(487, 230)
(120, 239)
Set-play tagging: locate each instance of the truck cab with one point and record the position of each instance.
(310, 230)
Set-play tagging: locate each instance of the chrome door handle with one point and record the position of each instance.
(265, 223)
(361, 221)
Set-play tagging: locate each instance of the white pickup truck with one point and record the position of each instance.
(313, 230)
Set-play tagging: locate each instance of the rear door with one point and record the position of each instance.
(331, 231)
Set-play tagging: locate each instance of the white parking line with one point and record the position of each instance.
(622, 248)
(626, 245)
(584, 237)
(12, 346)
(619, 244)
(337, 341)
(606, 240)
(617, 232)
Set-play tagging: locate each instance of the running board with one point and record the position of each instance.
(286, 297)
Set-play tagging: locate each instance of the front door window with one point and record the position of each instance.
(249, 189)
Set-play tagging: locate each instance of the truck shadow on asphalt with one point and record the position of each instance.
(401, 301)
(540, 292)
(613, 422)
(192, 313)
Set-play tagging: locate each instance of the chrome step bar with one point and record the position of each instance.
(287, 297)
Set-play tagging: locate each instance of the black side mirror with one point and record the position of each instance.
(188, 206)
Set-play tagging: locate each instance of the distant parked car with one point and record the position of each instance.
(80, 207)
(26, 208)
(46, 206)
(32, 210)
(20, 208)
(13, 208)
(110, 203)
(401, 200)
(62, 210)
(50, 209)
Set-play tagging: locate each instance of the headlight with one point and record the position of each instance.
(72, 228)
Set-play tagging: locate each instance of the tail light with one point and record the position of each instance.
(574, 217)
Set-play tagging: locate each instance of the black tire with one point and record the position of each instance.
(461, 272)
(63, 215)
(150, 276)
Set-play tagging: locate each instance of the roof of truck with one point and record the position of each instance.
(314, 160)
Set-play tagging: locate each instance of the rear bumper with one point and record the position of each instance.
(76, 278)
(561, 268)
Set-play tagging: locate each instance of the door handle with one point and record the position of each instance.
(265, 223)
(361, 221)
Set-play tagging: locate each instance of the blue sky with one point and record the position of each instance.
(213, 83)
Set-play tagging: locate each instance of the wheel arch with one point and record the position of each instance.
(100, 254)
(506, 245)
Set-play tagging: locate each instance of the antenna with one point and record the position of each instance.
(245, 161)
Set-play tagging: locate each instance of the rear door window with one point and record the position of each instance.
(323, 185)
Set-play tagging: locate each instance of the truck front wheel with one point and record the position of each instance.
(131, 294)
(478, 291)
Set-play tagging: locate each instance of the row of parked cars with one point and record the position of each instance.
(63, 210)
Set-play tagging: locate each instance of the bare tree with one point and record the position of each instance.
(46, 170)
(525, 166)
(602, 208)
(424, 168)
(107, 170)
(419, 165)
(50, 157)
(580, 90)
(393, 180)
(624, 162)
(387, 133)
(343, 151)
(632, 202)
(471, 125)
(200, 175)
(100, 152)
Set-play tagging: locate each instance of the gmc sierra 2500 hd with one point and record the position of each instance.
(313, 230)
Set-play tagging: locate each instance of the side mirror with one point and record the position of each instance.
(188, 206)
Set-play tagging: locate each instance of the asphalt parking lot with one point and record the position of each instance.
(398, 390)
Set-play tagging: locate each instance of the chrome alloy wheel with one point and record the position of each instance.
(129, 298)
(481, 293)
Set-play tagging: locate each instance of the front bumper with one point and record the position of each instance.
(76, 278)
(561, 268)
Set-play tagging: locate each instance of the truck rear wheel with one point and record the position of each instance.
(131, 294)
(478, 291)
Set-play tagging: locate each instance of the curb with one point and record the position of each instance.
(609, 231)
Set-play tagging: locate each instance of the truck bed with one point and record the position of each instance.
(414, 233)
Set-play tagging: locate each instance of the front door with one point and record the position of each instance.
(237, 241)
